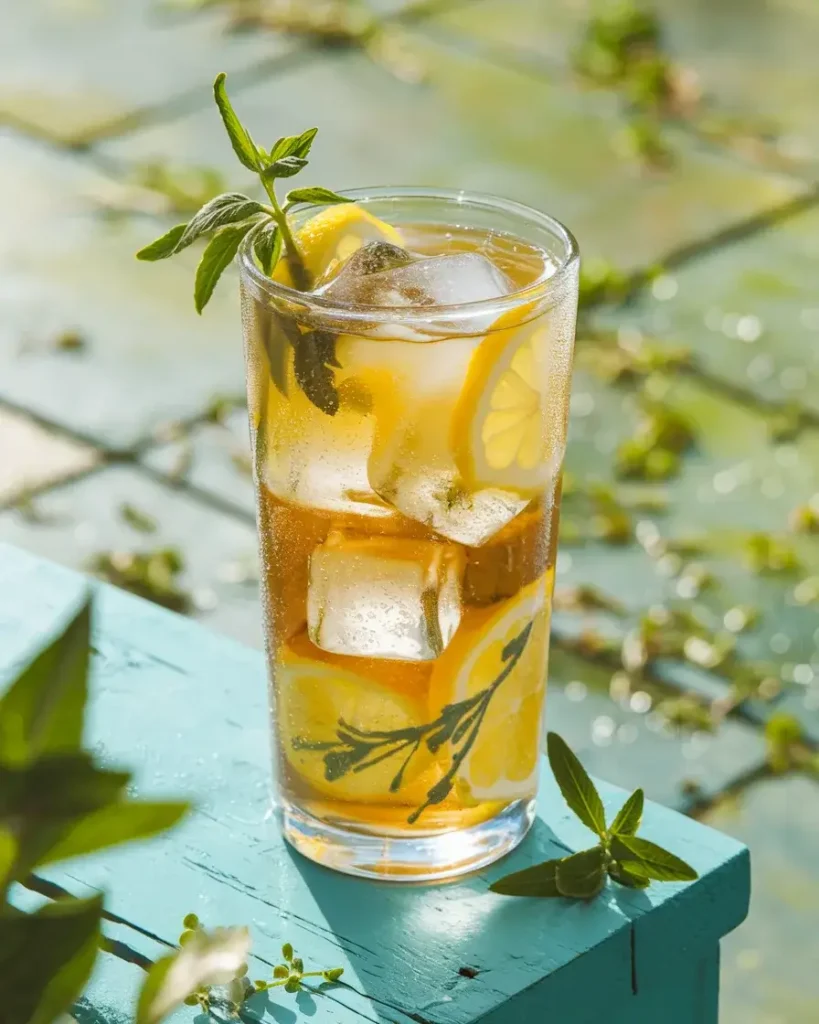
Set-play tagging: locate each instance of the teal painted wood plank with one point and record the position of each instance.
(187, 710)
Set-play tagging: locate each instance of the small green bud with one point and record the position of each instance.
(190, 921)
(192, 1000)
(293, 984)
(287, 952)
(333, 974)
(260, 986)
(298, 965)
(186, 937)
(281, 971)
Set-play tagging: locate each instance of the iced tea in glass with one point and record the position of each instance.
(408, 421)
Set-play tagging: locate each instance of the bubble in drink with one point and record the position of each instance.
(384, 597)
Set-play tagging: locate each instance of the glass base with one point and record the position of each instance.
(420, 858)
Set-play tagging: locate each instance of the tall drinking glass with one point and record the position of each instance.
(408, 423)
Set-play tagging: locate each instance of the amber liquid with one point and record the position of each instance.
(393, 593)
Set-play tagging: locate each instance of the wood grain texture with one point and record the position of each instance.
(188, 711)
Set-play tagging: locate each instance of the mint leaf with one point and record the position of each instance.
(217, 256)
(267, 245)
(225, 209)
(315, 194)
(37, 989)
(582, 875)
(162, 247)
(315, 353)
(538, 880)
(629, 816)
(577, 788)
(243, 145)
(284, 168)
(112, 825)
(629, 874)
(293, 145)
(651, 860)
(42, 711)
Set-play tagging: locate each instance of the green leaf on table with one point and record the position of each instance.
(582, 875)
(208, 958)
(284, 168)
(629, 874)
(267, 246)
(164, 246)
(651, 860)
(112, 825)
(538, 880)
(229, 208)
(217, 256)
(629, 816)
(577, 788)
(315, 194)
(58, 786)
(46, 958)
(42, 710)
(243, 145)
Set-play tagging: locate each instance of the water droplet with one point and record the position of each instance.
(640, 702)
(603, 729)
(749, 328)
(803, 674)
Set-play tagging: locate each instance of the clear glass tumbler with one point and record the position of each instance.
(407, 453)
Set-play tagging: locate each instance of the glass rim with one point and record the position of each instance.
(548, 285)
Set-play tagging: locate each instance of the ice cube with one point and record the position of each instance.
(384, 597)
(381, 274)
(413, 469)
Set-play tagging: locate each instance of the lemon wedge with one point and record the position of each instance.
(503, 761)
(508, 429)
(333, 235)
(316, 691)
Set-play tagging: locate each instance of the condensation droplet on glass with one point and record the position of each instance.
(576, 691)
(664, 287)
(640, 702)
(780, 643)
(725, 481)
(803, 674)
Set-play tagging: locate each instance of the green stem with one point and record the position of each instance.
(295, 260)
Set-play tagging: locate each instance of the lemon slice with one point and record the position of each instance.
(508, 429)
(503, 761)
(333, 235)
(315, 691)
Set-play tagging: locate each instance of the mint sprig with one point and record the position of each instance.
(228, 218)
(619, 854)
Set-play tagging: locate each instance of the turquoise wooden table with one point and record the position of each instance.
(187, 710)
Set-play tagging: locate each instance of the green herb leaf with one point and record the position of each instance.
(287, 951)
(292, 984)
(39, 987)
(229, 208)
(209, 958)
(243, 145)
(164, 246)
(267, 245)
(190, 921)
(284, 168)
(137, 519)
(293, 145)
(582, 875)
(281, 971)
(313, 359)
(651, 860)
(110, 826)
(216, 258)
(577, 788)
(333, 974)
(42, 711)
(539, 880)
(629, 874)
(629, 816)
(316, 194)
